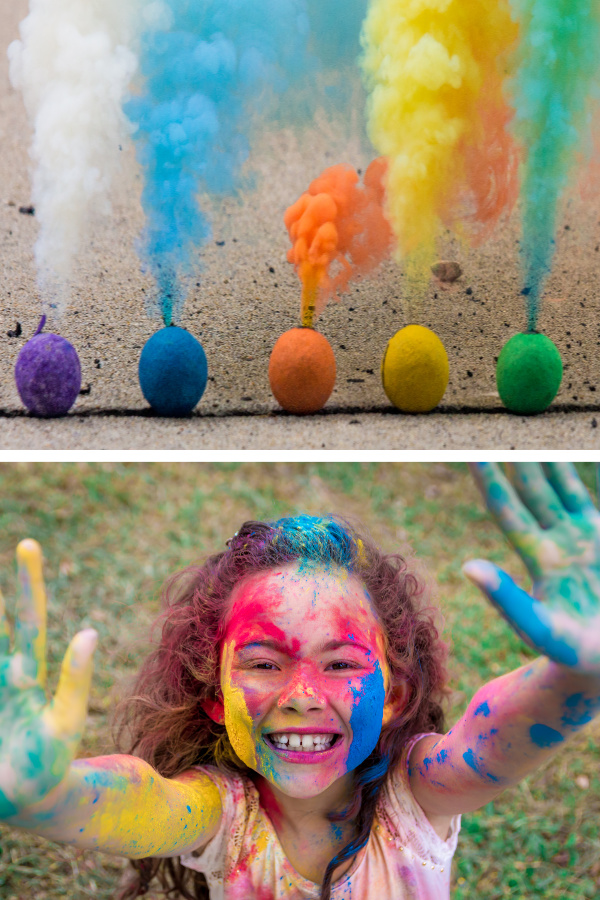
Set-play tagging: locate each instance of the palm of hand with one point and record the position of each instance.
(32, 759)
(560, 547)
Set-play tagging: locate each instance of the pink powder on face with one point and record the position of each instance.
(251, 617)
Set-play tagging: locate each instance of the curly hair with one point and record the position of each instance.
(164, 721)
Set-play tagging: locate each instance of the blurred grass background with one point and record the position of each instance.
(112, 532)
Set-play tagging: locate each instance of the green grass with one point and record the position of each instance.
(112, 533)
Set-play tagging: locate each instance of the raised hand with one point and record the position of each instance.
(548, 516)
(38, 739)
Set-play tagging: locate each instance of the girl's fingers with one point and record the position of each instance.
(4, 633)
(518, 524)
(566, 482)
(30, 625)
(537, 493)
(526, 615)
(66, 713)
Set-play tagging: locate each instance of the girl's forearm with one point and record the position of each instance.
(511, 727)
(121, 805)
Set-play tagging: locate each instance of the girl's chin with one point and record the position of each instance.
(301, 788)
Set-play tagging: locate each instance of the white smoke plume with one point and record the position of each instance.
(73, 64)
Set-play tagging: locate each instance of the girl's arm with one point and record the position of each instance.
(118, 804)
(516, 722)
(511, 727)
(121, 805)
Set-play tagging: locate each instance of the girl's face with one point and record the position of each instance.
(303, 676)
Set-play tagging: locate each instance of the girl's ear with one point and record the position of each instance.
(395, 703)
(215, 710)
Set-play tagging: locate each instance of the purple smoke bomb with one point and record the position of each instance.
(48, 374)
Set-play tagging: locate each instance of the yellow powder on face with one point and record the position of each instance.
(237, 718)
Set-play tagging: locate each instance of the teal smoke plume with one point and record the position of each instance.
(556, 65)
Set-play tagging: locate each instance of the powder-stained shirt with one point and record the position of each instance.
(404, 858)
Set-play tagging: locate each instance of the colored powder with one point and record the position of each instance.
(556, 64)
(434, 71)
(578, 711)
(238, 722)
(544, 736)
(473, 762)
(366, 717)
(339, 233)
(73, 64)
(30, 626)
(482, 710)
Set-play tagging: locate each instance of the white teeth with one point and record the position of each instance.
(307, 742)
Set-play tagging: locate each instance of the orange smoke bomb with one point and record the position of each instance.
(302, 371)
(339, 233)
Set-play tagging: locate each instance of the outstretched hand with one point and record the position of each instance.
(549, 518)
(38, 739)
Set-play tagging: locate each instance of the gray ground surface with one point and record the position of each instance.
(248, 294)
(358, 431)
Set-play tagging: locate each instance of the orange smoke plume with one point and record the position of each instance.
(339, 233)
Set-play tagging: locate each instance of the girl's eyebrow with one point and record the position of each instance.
(271, 644)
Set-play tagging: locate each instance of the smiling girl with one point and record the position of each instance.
(288, 734)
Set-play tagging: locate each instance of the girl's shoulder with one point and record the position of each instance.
(404, 821)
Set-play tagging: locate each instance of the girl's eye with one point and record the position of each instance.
(264, 665)
(344, 665)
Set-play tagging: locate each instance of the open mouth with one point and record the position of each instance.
(302, 743)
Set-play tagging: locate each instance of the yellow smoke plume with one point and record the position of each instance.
(434, 70)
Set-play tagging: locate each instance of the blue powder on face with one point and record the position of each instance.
(365, 720)
(543, 736)
(482, 710)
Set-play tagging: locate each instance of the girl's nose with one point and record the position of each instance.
(302, 694)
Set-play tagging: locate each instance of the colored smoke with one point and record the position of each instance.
(339, 233)
(556, 66)
(434, 73)
(72, 63)
(212, 78)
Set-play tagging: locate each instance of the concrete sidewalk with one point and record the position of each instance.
(356, 431)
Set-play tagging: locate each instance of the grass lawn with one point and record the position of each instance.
(112, 533)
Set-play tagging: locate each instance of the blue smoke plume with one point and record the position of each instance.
(212, 71)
